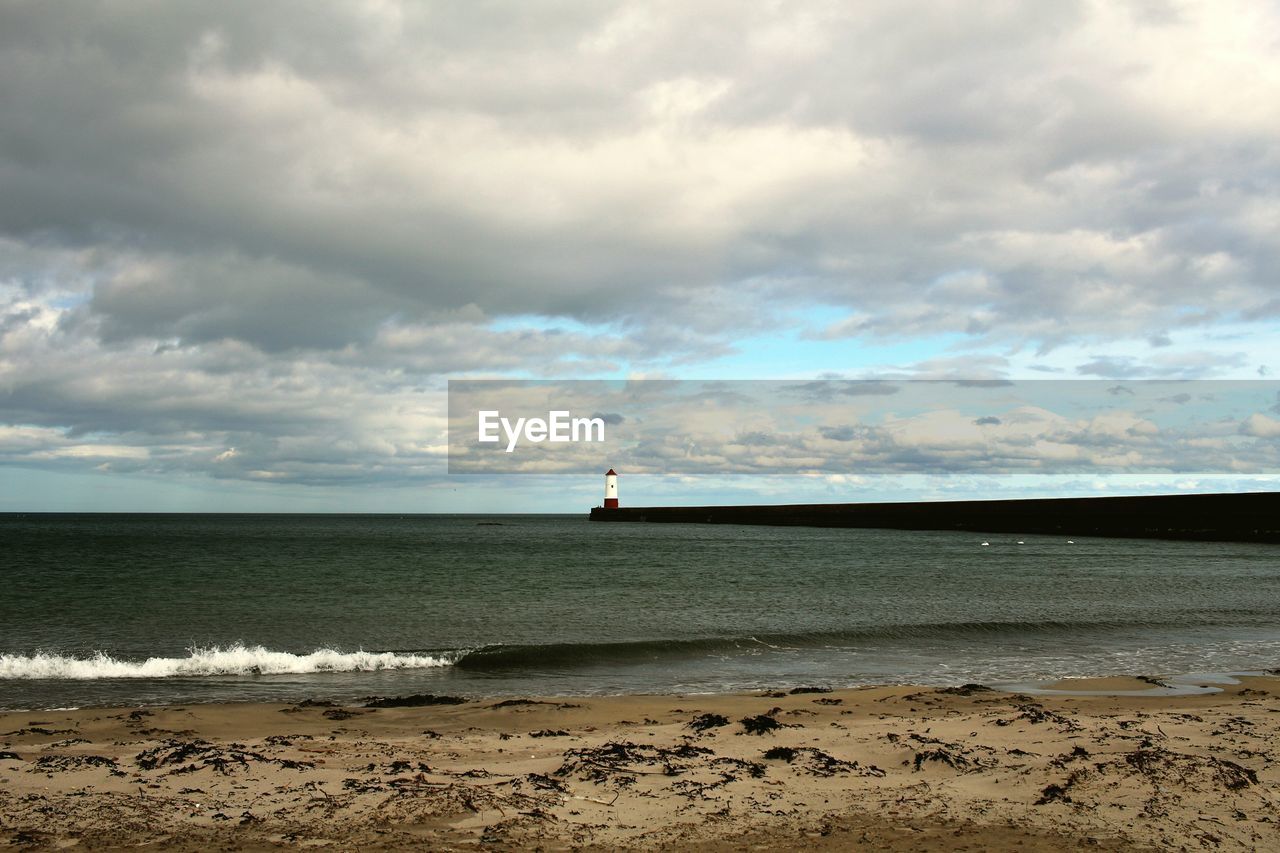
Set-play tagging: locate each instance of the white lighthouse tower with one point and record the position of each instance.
(611, 490)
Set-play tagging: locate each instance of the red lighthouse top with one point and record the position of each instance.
(611, 473)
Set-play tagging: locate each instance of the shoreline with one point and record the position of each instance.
(1178, 684)
(893, 767)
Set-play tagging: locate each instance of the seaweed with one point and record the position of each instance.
(819, 763)
(404, 767)
(340, 714)
(38, 730)
(702, 722)
(965, 689)
(1077, 754)
(1156, 763)
(1052, 794)
(190, 756)
(616, 761)
(521, 703)
(957, 756)
(417, 700)
(63, 763)
(760, 724)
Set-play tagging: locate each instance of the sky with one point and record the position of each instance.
(245, 246)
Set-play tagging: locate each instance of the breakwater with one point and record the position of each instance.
(1248, 517)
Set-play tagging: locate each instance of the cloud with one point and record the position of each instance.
(409, 159)
(1260, 426)
(278, 227)
(843, 432)
(829, 389)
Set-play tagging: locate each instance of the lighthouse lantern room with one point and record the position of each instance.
(611, 490)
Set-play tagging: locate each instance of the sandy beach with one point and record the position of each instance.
(884, 767)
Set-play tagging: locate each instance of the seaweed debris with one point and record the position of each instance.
(621, 761)
(819, 763)
(63, 763)
(965, 690)
(760, 724)
(193, 755)
(417, 700)
(702, 722)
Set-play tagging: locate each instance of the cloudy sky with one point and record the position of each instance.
(243, 246)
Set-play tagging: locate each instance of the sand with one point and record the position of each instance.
(892, 768)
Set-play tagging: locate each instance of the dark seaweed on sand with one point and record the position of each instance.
(760, 724)
(340, 714)
(965, 689)
(62, 763)
(619, 761)
(522, 703)
(702, 722)
(417, 700)
(189, 756)
(819, 763)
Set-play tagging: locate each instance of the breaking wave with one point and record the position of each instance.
(233, 660)
(245, 660)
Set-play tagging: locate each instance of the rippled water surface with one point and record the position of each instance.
(113, 609)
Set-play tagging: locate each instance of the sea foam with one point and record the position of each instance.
(233, 660)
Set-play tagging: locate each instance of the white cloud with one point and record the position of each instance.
(1260, 426)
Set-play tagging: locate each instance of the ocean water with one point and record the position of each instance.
(123, 609)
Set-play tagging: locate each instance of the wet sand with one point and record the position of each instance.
(892, 768)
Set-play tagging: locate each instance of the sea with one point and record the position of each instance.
(118, 609)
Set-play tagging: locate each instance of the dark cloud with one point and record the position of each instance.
(616, 160)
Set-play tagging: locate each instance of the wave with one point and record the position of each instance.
(575, 655)
(237, 659)
(242, 659)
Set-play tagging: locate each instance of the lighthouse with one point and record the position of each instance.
(611, 490)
